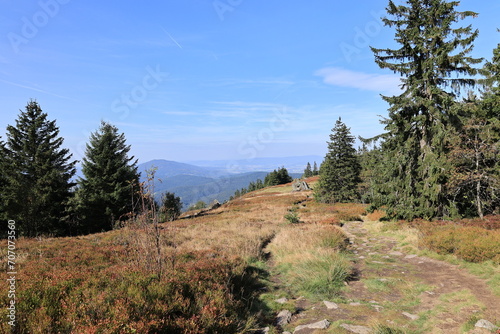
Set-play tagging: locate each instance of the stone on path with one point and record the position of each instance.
(410, 256)
(323, 324)
(357, 329)
(330, 305)
(409, 315)
(396, 253)
(283, 318)
(486, 324)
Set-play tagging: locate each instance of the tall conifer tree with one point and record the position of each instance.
(475, 181)
(110, 181)
(308, 171)
(340, 171)
(37, 173)
(434, 63)
(315, 169)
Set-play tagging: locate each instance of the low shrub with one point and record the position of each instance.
(470, 243)
(82, 288)
(292, 217)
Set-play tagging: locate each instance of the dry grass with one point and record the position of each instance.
(312, 212)
(310, 259)
(113, 282)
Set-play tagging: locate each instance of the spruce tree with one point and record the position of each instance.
(110, 181)
(369, 158)
(315, 169)
(475, 179)
(308, 171)
(171, 206)
(434, 63)
(339, 174)
(277, 177)
(36, 174)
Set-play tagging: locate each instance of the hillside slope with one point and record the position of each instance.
(229, 270)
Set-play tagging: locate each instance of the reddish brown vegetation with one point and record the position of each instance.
(474, 240)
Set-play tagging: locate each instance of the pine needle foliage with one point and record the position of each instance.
(339, 174)
(36, 174)
(110, 181)
(434, 63)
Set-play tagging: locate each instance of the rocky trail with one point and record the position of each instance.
(392, 289)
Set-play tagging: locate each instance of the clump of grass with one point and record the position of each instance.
(470, 324)
(311, 260)
(321, 276)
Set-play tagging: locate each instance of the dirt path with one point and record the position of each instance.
(401, 291)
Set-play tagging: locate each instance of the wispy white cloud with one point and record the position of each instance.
(366, 81)
(171, 38)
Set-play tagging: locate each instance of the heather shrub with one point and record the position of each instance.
(470, 243)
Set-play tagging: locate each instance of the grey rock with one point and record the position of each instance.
(214, 205)
(483, 323)
(281, 300)
(330, 305)
(300, 185)
(396, 253)
(356, 329)
(283, 318)
(409, 315)
(410, 256)
(323, 324)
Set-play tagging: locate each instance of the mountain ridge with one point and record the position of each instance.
(194, 183)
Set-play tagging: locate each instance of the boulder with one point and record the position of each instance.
(214, 205)
(283, 318)
(486, 324)
(300, 185)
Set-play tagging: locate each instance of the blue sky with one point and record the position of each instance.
(204, 79)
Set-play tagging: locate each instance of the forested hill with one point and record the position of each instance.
(195, 183)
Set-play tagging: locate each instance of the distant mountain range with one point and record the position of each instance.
(292, 164)
(209, 180)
